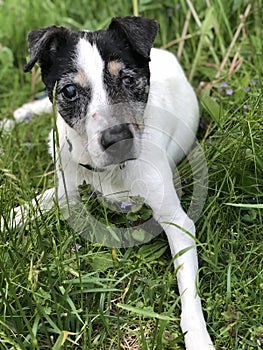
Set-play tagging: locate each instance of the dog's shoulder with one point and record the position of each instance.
(164, 65)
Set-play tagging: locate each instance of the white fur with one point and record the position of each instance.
(171, 119)
(91, 64)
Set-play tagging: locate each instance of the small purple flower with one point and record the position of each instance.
(125, 205)
(229, 91)
(223, 84)
(254, 82)
(260, 340)
(76, 248)
(29, 117)
(247, 88)
(245, 106)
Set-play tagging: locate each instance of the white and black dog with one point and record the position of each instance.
(126, 115)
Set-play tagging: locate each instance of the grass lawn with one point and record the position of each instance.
(59, 291)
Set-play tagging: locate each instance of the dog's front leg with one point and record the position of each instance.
(181, 232)
(29, 211)
(155, 184)
(27, 111)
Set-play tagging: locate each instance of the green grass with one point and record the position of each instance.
(58, 291)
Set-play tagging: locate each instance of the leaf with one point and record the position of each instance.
(61, 340)
(153, 251)
(132, 216)
(146, 214)
(102, 262)
(251, 206)
(138, 235)
(209, 21)
(212, 108)
(145, 313)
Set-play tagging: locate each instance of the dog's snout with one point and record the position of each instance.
(118, 142)
(115, 134)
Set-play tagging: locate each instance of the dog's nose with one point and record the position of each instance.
(116, 134)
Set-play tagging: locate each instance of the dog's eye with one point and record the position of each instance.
(70, 92)
(127, 80)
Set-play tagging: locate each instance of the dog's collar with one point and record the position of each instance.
(99, 170)
(91, 168)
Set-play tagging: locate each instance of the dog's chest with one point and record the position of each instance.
(110, 183)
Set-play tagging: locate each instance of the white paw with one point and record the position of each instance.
(23, 113)
(7, 124)
(15, 220)
(29, 109)
(198, 339)
(26, 112)
(19, 216)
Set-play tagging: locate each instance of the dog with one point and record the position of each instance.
(126, 115)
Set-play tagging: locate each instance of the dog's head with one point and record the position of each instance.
(99, 81)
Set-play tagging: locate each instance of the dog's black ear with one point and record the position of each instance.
(140, 32)
(43, 45)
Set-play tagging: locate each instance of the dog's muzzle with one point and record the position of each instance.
(118, 142)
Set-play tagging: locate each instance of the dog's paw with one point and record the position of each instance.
(26, 112)
(23, 113)
(198, 339)
(29, 109)
(15, 219)
(7, 124)
(20, 114)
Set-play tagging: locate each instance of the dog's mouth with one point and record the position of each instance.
(92, 168)
(95, 169)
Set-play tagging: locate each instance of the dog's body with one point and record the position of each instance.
(126, 117)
